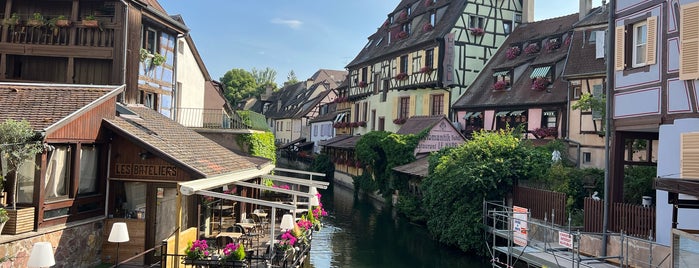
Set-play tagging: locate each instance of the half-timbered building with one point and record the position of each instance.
(424, 56)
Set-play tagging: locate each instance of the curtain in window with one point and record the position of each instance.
(88, 170)
(25, 176)
(56, 173)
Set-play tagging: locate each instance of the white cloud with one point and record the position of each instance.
(293, 24)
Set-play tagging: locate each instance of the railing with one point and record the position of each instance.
(254, 120)
(103, 36)
(542, 204)
(634, 220)
(208, 118)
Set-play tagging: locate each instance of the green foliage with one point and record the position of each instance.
(484, 168)
(253, 120)
(158, 59)
(291, 78)
(17, 143)
(365, 182)
(259, 144)
(239, 84)
(382, 151)
(411, 206)
(3, 215)
(638, 181)
(323, 164)
(589, 102)
(265, 78)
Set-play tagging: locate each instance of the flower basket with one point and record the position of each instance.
(197, 250)
(362, 123)
(62, 23)
(477, 31)
(399, 121)
(402, 35)
(531, 49)
(362, 84)
(500, 85)
(545, 132)
(12, 20)
(428, 3)
(427, 27)
(426, 69)
(35, 23)
(540, 83)
(402, 76)
(354, 124)
(403, 15)
(552, 45)
(512, 53)
(90, 23)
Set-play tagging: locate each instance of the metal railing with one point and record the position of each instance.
(207, 118)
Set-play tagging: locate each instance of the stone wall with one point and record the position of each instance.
(76, 246)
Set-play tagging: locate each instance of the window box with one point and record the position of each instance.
(402, 76)
(427, 27)
(362, 84)
(426, 69)
(531, 49)
(477, 31)
(402, 35)
(500, 85)
(540, 83)
(512, 53)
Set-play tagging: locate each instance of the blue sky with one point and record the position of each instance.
(299, 35)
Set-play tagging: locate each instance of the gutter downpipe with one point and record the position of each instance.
(611, 8)
(577, 145)
(126, 43)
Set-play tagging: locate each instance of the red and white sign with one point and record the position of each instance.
(520, 216)
(565, 239)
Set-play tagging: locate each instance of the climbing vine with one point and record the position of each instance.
(259, 144)
(382, 151)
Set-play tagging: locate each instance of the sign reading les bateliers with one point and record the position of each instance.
(142, 170)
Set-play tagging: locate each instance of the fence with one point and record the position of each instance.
(208, 118)
(542, 204)
(634, 220)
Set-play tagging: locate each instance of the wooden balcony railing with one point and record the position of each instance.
(74, 35)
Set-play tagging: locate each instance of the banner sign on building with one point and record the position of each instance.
(448, 61)
(520, 216)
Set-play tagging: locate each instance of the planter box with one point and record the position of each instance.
(90, 23)
(21, 221)
(62, 23)
(35, 23)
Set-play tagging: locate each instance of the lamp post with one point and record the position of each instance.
(42, 255)
(118, 234)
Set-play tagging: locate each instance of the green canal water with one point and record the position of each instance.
(360, 232)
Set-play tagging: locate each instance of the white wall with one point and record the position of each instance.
(192, 80)
(669, 166)
(325, 131)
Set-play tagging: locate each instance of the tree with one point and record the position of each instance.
(291, 78)
(239, 84)
(596, 103)
(264, 78)
(18, 143)
(484, 168)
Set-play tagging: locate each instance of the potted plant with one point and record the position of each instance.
(402, 76)
(540, 83)
(12, 20)
(158, 59)
(196, 250)
(90, 21)
(426, 69)
(477, 31)
(427, 27)
(512, 52)
(362, 84)
(531, 48)
(36, 20)
(500, 85)
(4, 217)
(62, 21)
(233, 252)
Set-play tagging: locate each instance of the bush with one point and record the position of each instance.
(322, 164)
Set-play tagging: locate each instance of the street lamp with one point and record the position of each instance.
(42, 255)
(118, 234)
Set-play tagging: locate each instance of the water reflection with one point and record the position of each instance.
(359, 232)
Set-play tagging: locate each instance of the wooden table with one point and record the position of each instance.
(234, 235)
(247, 226)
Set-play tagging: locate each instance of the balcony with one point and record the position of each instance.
(219, 119)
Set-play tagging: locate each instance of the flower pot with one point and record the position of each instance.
(35, 23)
(21, 221)
(62, 23)
(90, 23)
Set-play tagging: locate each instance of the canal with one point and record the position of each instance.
(360, 232)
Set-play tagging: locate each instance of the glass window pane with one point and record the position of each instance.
(58, 173)
(25, 187)
(88, 170)
(640, 54)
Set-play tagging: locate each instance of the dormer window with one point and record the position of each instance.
(409, 10)
(502, 80)
(406, 28)
(433, 19)
(541, 77)
(553, 44)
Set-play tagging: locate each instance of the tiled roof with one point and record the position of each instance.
(420, 15)
(480, 93)
(43, 105)
(582, 59)
(170, 140)
(333, 77)
(329, 116)
(333, 140)
(597, 16)
(417, 124)
(345, 143)
(296, 100)
(418, 167)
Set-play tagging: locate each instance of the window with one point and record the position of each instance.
(433, 19)
(89, 162)
(377, 78)
(364, 111)
(315, 131)
(180, 46)
(364, 74)
(637, 42)
(373, 120)
(150, 40)
(586, 157)
(476, 22)
(386, 84)
(549, 119)
(576, 88)
(429, 58)
(409, 10)
(58, 173)
(25, 180)
(640, 33)
(149, 100)
(437, 105)
(356, 112)
(404, 107)
(406, 28)
(382, 123)
(404, 64)
(507, 26)
(389, 38)
(689, 41)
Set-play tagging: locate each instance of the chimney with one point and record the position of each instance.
(585, 7)
(527, 11)
(268, 93)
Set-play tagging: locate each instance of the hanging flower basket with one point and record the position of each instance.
(362, 84)
(500, 85)
(402, 35)
(531, 49)
(427, 27)
(402, 76)
(477, 31)
(540, 83)
(512, 53)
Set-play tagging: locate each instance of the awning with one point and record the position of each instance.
(516, 113)
(284, 146)
(503, 113)
(540, 72)
(468, 115)
(501, 73)
(339, 117)
(549, 113)
(476, 114)
(191, 187)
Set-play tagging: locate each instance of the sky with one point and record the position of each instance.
(298, 35)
